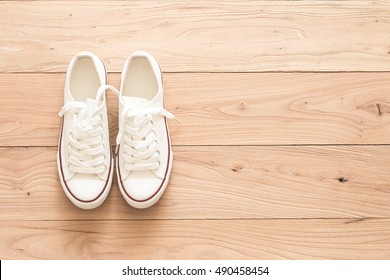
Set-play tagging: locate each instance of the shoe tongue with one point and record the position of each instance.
(91, 106)
(134, 102)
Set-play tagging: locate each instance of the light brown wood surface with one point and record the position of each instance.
(217, 182)
(222, 108)
(283, 147)
(234, 36)
(197, 239)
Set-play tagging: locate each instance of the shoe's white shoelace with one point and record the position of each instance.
(86, 143)
(136, 127)
(140, 145)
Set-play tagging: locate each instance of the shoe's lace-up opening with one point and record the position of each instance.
(140, 140)
(86, 148)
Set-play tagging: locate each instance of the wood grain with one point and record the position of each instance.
(198, 36)
(222, 108)
(217, 183)
(233, 239)
(281, 153)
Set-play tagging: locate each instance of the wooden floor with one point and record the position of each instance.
(283, 147)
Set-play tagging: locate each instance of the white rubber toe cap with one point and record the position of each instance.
(142, 189)
(85, 190)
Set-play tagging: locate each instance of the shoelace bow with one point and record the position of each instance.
(86, 143)
(141, 147)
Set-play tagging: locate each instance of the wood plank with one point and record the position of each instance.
(222, 108)
(217, 183)
(242, 239)
(198, 36)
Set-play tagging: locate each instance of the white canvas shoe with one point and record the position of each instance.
(84, 158)
(144, 153)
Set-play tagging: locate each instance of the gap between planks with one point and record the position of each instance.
(346, 220)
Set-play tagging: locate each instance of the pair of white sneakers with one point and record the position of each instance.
(143, 152)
